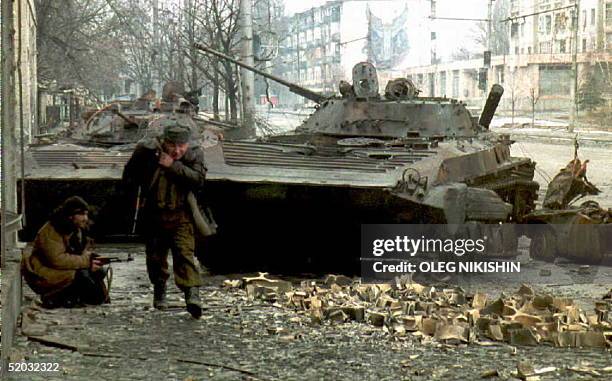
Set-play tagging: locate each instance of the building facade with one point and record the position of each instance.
(322, 44)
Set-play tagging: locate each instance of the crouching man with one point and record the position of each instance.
(166, 170)
(61, 268)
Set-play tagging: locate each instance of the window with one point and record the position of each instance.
(555, 79)
(500, 74)
(514, 29)
(609, 42)
(545, 47)
(522, 30)
(584, 45)
(562, 46)
(592, 16)
(335, 14)
(529, 50)
(455, 84)
(560, 21)
(584, 20)
(516, 50)
(442, 83)
(548, 24)
(609, 14)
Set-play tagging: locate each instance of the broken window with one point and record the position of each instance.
(560, 21)
(514, 29)
(555, 79)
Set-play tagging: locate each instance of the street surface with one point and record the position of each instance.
(242, 339)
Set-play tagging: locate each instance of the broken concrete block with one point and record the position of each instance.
(526, 320)
(336, 315)
(590, 339)
(524, 370)
(452, 333)
(428, 326)
(232, 283)
(525, 290)
(260, 292)
(262, 280)
(523, 336)
(495, 307)
(542, 301)
(479, 301)
(340, 280)
(545, 272)
(356, 313)
(377, 319)
(412, 323)
(494, 332)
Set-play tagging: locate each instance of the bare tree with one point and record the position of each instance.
(78, 45)
(534, 99)
(500, 39)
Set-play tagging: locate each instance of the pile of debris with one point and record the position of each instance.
(449, 315)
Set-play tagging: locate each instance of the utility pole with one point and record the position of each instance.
(489, 27)
(247, 77)
(574, 105)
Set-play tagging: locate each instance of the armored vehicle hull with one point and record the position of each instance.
(360, 158)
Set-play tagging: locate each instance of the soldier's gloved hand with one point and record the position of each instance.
(165, 160)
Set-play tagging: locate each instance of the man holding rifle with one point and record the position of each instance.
(163, 172)
(61, 267)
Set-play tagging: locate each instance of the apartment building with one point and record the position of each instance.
(540, 62)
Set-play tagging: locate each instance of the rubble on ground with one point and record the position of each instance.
(447, 315)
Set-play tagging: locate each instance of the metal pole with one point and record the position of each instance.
(489, 28)
(574, 105)
(247, 82)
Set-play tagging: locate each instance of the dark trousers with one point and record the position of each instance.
(87, 288)
(174, 232)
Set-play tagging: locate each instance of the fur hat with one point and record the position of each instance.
(176, 132)
(73, 205)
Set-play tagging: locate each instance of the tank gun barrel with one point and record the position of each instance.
(299, 90)
(491, 105)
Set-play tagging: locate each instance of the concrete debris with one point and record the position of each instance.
(489, 373)
(545, 272)
(448, 315)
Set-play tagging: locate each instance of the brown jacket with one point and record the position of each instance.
(52, 264)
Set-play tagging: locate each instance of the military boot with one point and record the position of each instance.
(159, 296)
(192, 300)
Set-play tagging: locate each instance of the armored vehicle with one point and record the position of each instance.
(581, 233)
(361, 157)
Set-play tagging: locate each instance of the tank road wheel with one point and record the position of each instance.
(543, 245)
(583, 243)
